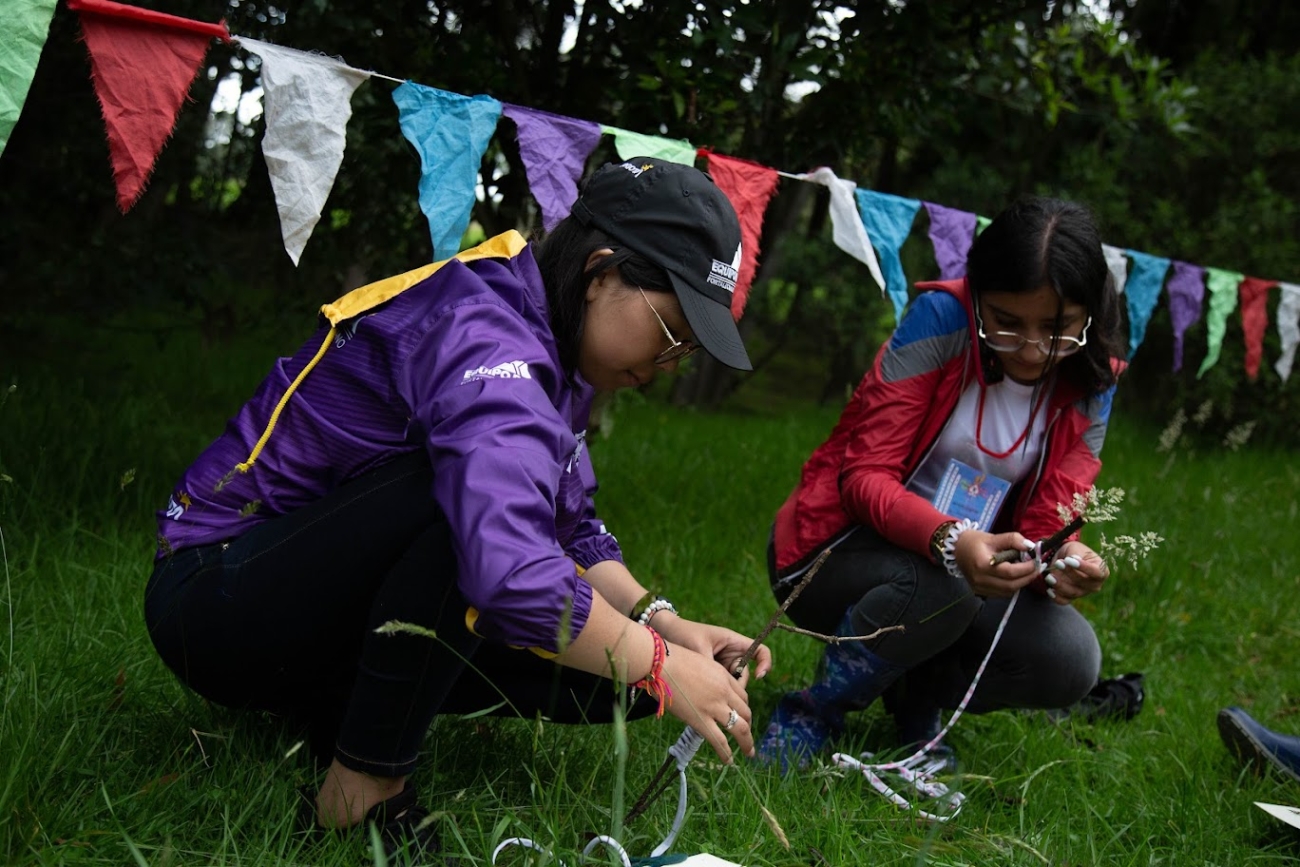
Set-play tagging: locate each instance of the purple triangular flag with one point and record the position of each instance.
(1186, 288)
(554, 150)
(951, 233)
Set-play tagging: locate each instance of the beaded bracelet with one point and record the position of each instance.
(950, 547)
(653, 683)
(660, 604)
(639, 608)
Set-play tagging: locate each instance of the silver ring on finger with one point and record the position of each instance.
(732, 719)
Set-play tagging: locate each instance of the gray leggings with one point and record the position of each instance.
(1048, 656)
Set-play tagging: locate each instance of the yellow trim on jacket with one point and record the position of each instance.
(504, 246)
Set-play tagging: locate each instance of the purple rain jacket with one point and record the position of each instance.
(456, 358)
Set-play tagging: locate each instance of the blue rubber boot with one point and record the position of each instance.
(1253, 744)
(849, 677)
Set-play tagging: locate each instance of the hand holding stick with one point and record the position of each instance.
(1050, 544)
(660, 782)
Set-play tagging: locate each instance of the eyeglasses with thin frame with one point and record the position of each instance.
(1011, 341)
(679, 349)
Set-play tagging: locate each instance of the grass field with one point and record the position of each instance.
(105, 759)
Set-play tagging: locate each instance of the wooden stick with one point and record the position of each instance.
(651, 792)
(840, 639)
(1051, 543)
(655, 789)
(748, 656)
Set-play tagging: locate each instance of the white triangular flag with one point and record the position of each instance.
(1117, 261)
(849, 234)
(1288, 327)
(308, 101)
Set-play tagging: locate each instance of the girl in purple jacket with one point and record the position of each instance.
(422, 459)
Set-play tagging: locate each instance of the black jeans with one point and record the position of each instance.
(283, 619)
(1048, 656)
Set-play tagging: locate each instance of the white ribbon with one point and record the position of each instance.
(682, 753)
(918, 770)
(602, 840)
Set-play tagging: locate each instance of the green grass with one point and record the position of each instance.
(105, 759)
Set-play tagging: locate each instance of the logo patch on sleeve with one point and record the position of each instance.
(508, 370)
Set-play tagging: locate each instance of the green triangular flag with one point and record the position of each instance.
(26, 26)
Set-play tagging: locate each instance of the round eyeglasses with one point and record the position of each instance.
(679, 349)
(1010, 341)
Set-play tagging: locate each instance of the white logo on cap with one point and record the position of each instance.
(724, 275)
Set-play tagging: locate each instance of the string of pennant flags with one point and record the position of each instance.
(144, 62)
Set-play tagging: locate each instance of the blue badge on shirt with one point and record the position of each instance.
(967, 492)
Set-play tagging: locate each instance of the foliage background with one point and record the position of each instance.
(1178, 122)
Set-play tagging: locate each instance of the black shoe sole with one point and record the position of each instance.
(1246, 747)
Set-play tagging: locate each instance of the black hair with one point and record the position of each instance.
(562, 260)
(1040, 242)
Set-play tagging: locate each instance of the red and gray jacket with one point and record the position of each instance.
(858, 476)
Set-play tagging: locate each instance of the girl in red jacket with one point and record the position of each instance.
(985, 409)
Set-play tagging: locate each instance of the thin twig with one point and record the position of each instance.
(840, 639)
(772, 623)
(651, 792)
(650, 795)
(202, 752)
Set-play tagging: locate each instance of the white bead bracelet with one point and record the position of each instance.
(950, 547)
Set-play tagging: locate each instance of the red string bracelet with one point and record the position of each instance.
(653, 683)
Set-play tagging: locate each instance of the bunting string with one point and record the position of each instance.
(144, 62)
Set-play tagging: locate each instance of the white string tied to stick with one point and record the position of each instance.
(682, 753)
(601, 840)
(918, 770)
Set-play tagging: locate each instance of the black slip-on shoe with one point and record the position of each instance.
(403, 825)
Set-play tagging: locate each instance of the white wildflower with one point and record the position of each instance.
(1203, 413)
(1130, 548)
(1098, 505)
(1094, 506)
(1170, 435)
(1239, 435)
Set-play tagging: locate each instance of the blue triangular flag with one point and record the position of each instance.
(1142, 291)
(450, 132)
(889, 220)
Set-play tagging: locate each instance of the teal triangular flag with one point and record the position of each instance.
(450, 132)
(889, 220)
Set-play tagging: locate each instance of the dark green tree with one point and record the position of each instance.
(968, 104)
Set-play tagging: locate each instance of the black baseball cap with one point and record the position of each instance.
(677, 218)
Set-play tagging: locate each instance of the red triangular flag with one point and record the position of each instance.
(1253, 298)
(142, 67)
(749, 187)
